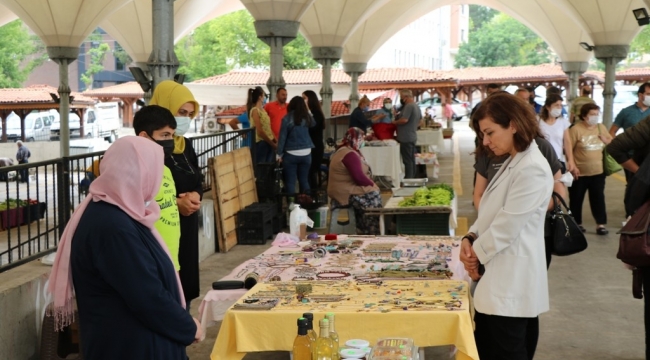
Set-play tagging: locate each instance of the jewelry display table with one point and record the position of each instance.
(432, 313)
(365, 258)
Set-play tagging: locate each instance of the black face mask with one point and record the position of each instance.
(401, 101)
(167, 145)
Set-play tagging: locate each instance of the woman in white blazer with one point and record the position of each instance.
(505, 246)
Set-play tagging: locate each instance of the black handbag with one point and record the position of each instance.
(567, 237)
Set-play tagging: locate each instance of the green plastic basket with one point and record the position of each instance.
(423, 224)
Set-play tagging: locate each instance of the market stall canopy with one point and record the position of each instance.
(550, 19)
(64, 23)
(6, 16)
(291, 10)
(131, 25)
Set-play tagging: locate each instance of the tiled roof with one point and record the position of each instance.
(315, 76)
(543, 72)
(633, 73)
(127, 89)
(546, 72)
(36, 94)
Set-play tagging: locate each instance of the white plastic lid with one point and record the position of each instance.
(352, 353)
(357, 343)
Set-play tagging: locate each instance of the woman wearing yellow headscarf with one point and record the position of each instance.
(183, 163)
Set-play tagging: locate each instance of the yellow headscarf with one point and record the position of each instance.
(172, 95)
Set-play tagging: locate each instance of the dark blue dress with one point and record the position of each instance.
(126, 290)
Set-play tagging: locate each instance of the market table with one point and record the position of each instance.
(392, 208)
(432, 313)
(276, 261)
(431, 137)
(429, 159)
(385, 161)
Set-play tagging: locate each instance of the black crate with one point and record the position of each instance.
(255, 235)
(268, 179)
(255, 214)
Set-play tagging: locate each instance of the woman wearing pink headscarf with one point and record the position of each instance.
(349, 182)
(111, 257)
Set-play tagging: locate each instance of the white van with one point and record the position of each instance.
(101, 121)
(37, 126)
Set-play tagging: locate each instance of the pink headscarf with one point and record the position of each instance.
(131, 174)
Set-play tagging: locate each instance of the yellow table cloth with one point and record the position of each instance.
(429, 323)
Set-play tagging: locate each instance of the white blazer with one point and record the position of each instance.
(510, 243)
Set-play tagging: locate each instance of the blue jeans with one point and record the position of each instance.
(264, 152)
(296, 166)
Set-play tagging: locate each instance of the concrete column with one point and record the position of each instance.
(610, 55)
(64, 56)
(276, 34)
(354, 70)
(162, 62)
(326, 56)
(574, 69)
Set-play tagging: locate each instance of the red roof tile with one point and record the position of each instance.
(314, 76)
(127, 89)
(37, 94)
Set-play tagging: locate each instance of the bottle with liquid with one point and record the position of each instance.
(302, 344)
(310, 327)
(324, 346)
(334, 336)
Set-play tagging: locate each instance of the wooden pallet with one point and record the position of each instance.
(233, 188)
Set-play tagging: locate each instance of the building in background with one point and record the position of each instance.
(115, 72)
(431, 42)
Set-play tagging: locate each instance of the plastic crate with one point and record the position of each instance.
(268, 179)
(423, 224)
(255, 235)
(256, 213)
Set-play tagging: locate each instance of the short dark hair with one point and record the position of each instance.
(586, 108)
(553, 90)
(642, 87)
(506, 109)
(151, 118)
(493, 86)
(279, 89)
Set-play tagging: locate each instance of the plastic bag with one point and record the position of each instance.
(297, 217)
(567, 179)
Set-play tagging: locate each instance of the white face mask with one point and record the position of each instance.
(592, 120)
(182, 125)
(555, 113)
(646, 100)
(388, 106)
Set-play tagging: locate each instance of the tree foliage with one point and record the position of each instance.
(20, 53)
(640, 46)
(230, 42)
(479, 15)
(502, 41)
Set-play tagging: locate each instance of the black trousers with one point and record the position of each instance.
(315, 180)
(505, 338)
(407, 150)
(596, 186)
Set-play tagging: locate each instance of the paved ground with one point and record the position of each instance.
(593, 315)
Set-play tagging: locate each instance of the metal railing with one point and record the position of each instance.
(37, 199)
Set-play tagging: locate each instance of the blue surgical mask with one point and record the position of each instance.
(182, 125)
(264, 102)
(362, 144)
(366, 108)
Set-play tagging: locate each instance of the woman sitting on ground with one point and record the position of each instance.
(350, 182)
